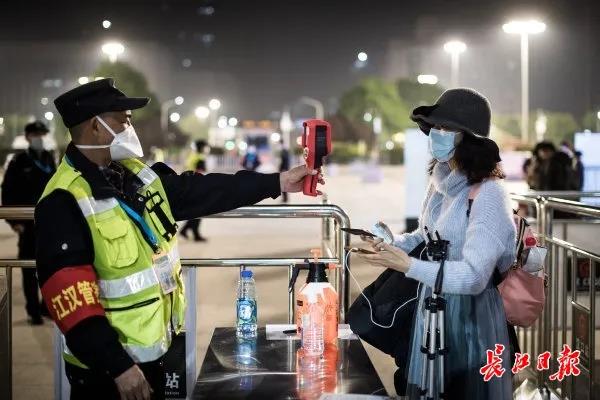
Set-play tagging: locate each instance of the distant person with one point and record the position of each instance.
(567, 148)
(251, 161)
(284, 164)
(561, 173)
(157, 154)
(24, 181)
(537, 167)
(579, 171)
(196, 162)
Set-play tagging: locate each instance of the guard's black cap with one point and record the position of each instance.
(36, 126)
(94, 98)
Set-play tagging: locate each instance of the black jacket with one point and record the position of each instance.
(24, 181)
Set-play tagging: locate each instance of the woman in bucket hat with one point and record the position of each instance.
(481, 242)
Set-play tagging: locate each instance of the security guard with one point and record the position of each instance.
(107, 246)
(24, 181)
(196, 162)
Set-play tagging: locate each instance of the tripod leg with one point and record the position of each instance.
(442, 330)
(432, 353)
(426, 323)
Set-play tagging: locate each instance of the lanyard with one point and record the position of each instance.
(142, 223)
(46, 168)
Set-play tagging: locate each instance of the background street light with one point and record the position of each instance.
(106, 24)
(83, 80)
(232, 122)
(214, 104)
(524, 28)
(113, 50)
(426, 79)
(174, 117)
(361, 60)
(202, 112)
(222, 122)
(49, 115)
(455, 48)
(275, 137)
(285, 125)
(164, 110)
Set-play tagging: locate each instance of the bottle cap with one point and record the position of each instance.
(246, 274)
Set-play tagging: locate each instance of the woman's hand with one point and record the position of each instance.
(386, 255)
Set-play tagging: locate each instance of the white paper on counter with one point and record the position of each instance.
(333, 396)
(275, 332)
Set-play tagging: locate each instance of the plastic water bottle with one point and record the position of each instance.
(312, 329)
(246, 306)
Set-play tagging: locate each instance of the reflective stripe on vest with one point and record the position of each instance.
(147, 176)
(90, 206)
(139, 353)
(134, 283)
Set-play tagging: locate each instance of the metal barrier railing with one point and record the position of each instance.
(325, 211)
(561, 324)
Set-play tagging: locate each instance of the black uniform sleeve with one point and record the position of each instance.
(63, 240)
(195, 195)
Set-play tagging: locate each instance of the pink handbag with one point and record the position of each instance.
(523, 293)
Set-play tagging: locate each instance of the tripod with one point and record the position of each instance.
(433, 326)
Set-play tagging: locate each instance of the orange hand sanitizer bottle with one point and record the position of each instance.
(317, 285)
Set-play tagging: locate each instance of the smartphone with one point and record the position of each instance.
(360, 250)
(359, 232)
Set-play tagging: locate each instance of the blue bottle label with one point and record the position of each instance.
(246, 311)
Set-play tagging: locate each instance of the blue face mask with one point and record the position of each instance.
(441, 144)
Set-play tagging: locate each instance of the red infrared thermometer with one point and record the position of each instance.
(316, 141)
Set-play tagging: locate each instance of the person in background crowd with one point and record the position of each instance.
(24, 181)
(251, 161)
(560, 174)
(579, 170)
(567, 148)
(537, 168)
(284, 165)
(157, 154)
(196, 163)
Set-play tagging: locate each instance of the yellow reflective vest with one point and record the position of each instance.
(192, 160)
(126, 265)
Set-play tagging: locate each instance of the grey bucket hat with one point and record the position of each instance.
(463, 109)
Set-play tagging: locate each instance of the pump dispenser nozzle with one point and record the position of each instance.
(316, 270)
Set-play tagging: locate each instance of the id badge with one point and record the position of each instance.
(164, 273)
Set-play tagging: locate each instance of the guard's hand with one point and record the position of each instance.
(292, 181)
(132, 385)
(18, 228)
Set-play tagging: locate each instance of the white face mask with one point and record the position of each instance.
(37, 143)
(124, 145)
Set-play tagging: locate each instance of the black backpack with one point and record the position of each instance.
(389, 291)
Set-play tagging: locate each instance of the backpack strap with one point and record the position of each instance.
(473, 192)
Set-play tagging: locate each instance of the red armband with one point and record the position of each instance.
(71, 295)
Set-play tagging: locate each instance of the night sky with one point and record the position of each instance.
(259, 55)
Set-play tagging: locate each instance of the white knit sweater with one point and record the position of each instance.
(478, 244)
